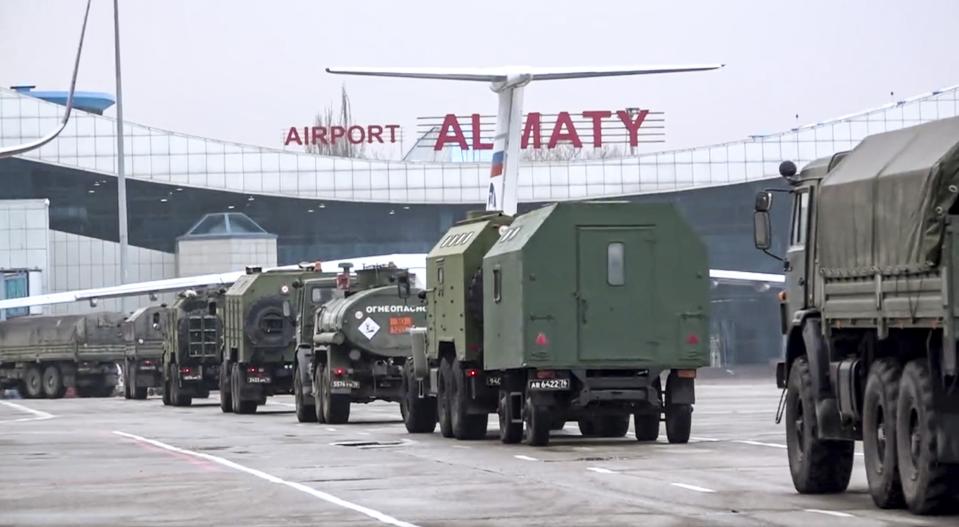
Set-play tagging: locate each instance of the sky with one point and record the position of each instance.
(247, 70)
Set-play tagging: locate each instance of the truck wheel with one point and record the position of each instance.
(879, 434)
(139, 393)
(239, 406)
(587, 427)
(127, 392)
(53, 382)
(176, 396)
(510, 424)
(647, 426)
(304, 413)
(559, 423)
(336, 407)
(226, 400)
(318, 394)
(466, 426)
(419, 414)
(33, 382)
(817, 466)
(925, 481)
(443, 389)
(612, 425)
(537, 421)
(679, 421)
(166, 393)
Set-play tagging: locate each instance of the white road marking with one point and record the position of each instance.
(601, 470)
(830, 513)
(288, 405)
(329, 498)
(525, 458)
(760, 443)
(38, 415)
(692, 487)
(330, 429)
(705, 439)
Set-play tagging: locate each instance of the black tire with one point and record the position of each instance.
(925, 481)
(612, 425)
(560, 422)
(240, 406)
(336, 407)
(176, 396)
(879, 434)
(419, 414)
(466, 426)
(226, 399)
(318, 394)
(127, 384)
(647, 426)
(817, 466)
(53, 386)
(679, 423)
(106, 390)
(166, 393)
(443, 396)
(140, 393)
(536, 421)
(305, 413)
(33, 383)
(587, 427)
(509, 431)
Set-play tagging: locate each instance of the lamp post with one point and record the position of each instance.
(121, 177)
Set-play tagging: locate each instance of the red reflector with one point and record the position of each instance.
(251, 369)
(148, 363)
(185, 370)
(692, 339)
(541, 339)
(339, 372)
(686, 374)
(546, 374)
(471, 372)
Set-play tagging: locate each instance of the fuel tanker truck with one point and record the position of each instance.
(594, 312)
(193, 338)
(143, 332)
(870, 317)
(259, 319)
(361, 342)
(43, 356)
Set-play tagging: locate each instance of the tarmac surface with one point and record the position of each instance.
(113, 462)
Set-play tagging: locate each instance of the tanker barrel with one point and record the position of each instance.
(331, 337)
(420, 366)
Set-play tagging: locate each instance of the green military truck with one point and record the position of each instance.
(143, 332)
(45, 355)
(574, 311)
(260, 337)
(361, 342)
(193, 339)
(311, 292)
(870, 315)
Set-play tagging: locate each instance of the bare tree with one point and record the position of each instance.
(568, 152)
(342, 117)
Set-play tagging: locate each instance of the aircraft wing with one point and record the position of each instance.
(502, 73)
(745, 277)
(137, 289)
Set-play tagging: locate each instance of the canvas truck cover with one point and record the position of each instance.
(883, 208)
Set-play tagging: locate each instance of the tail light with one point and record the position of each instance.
(472, 372)
(254, 369)
(186, 370)
(686, 374)
(148, 363)
(339, 372)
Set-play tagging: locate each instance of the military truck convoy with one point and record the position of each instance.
(43, 356)
(191, 346)
(360, 344)
(574, 311)
(142, 365)
(870, 317)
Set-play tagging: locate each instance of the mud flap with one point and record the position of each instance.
(304, 368)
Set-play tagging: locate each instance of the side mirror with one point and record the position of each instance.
(761, 230)
(156, 318)
(211, 308)
(764, 201)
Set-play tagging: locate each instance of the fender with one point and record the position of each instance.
(828, 418)
(680, 390)
(793, 344)
(304, 368)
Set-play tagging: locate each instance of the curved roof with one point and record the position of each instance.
(163, 156)
(226, 225)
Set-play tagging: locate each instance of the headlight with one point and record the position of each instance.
(285, 289)
(139, 341)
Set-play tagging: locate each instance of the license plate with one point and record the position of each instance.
(549, 384)
(258, 380)
(339, 383)
(191, 377)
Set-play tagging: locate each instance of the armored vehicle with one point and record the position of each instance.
(360, 342)
(870, 315)
(574, 311)
(260, 337)
(193, 339)
(142, 366)
(43, 356)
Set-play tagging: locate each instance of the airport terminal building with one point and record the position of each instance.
(58, 204)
